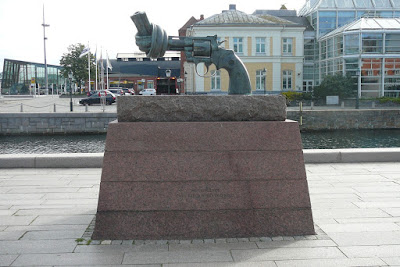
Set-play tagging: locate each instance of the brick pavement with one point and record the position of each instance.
(47, 215)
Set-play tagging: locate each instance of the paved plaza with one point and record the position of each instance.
(49, 104)
(47, 216)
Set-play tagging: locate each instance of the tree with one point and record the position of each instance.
(79, 66)
(342, 86)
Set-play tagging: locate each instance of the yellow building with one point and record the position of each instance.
(270, 47)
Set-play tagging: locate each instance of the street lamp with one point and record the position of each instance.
(358, 88)
(264, 75)
(70, 90)
(168, 74)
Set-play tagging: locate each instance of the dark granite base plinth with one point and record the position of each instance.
(189, 180)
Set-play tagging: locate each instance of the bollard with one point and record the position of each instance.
(342, 104)
(373, 104)
(312, 105)
(86, 108)
(301, 113)
(55, 110)
(22, 107)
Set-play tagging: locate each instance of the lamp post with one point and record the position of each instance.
(168, 74)
(358, 89)
(70, 91)
(264, 75)
(45, 60)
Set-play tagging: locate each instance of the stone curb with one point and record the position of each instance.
(95, 160)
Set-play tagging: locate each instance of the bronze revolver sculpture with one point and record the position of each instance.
(154, 41)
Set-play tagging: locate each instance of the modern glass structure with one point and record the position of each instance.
(356, 37)
(367, 49)
(27, 78)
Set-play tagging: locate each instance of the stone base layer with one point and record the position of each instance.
(194, 180)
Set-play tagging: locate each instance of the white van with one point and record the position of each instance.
(148, 92)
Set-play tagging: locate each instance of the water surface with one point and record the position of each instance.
(49, 144)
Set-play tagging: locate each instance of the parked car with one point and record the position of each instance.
(95, 98)
(117, 92)
(128, 91)
(148, 92)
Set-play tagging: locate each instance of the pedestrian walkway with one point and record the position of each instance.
(47, 215)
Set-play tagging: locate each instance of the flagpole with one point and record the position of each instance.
(96, 69)
(89, 65)
(108, 83)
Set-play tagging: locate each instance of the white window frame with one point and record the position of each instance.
(261, 45)
(260, 80)
(287, 80)
(238, 45)
(287, 46)
(215, 80)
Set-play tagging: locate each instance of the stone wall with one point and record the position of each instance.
(55, 123)
(347, 119)
(65, 123)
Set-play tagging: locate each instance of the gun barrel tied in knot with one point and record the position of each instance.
(154, 41)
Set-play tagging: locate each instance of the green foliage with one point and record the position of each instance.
(296, 96)
(342, 86)
(24, 90)
(79, 66)
(292, 96)
(389, 99)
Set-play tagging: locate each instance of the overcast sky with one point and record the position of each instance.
(106, 25)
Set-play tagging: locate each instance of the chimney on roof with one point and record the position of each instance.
(201, 17)
(232, 7)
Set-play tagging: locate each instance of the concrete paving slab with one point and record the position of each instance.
(359, 227)
(11, 235)
(55, 211)
(6, 260)
(394, 261)
(287, 254)
(212, 246)
(53, 235)
(392, 211)
(68, 227)
(332, 262)
(371, 251)
(68, 259)
(67, 219)
(125, 248)
(297, 244)
(224, 264)
(37, 246)
(355, 212)
(177, 257)
(366, 239)
(16, 220)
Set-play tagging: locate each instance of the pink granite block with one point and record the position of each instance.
(203, 195)
(203, 136)
(183, 180)
(189, 166)
(202, 224)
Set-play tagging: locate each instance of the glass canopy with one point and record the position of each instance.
(312, 5)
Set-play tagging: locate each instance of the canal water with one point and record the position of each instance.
(49, 144)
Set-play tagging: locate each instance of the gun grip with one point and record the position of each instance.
(239, 81)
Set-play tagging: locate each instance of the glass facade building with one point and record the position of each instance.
(356, 37)
(25, 78)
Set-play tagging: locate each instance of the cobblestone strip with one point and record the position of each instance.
(86, 239)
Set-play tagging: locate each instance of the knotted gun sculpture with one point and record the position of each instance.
(154, 41)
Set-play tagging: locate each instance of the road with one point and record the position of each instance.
(46, 104)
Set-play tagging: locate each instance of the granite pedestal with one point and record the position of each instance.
(202, 179)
